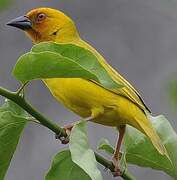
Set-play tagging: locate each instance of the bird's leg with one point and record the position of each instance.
(115, 158)
(65, 140)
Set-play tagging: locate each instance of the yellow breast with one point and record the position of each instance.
(79, 95)
(86, 99)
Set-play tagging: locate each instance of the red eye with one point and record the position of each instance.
(41, 17)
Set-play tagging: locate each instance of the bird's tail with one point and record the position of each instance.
(147, 129)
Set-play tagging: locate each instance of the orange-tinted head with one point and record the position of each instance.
(46, 24)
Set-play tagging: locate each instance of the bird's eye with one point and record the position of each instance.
(41, 17)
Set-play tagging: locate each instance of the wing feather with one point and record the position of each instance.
(127, 90)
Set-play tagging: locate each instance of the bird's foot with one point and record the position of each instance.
(117, 171)
(65, 140)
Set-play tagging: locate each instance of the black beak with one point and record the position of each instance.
(21, 22)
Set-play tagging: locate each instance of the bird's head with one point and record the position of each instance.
(46, 24)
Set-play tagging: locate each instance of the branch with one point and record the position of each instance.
(15, 97)
(33, 112)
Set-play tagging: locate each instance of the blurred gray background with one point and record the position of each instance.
(138, 37)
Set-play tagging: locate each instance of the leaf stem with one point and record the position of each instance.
(22, 88)
(15, 97)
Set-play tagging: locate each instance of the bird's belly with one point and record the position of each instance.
(82, 97)
(79, 95)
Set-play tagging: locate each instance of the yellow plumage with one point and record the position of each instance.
(114, 107)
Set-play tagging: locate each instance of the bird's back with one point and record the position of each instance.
(128, 91)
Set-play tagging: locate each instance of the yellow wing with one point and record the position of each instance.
(128, 90)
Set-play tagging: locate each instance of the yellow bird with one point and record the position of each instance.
(113, 107)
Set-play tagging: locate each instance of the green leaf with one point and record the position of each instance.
(123, 162)
(105, 145)
(81, 153)
(12, 122)
(48, 65)
(13, 108)
(51, 60)
(140, 151)
(65, 169)
(83, 57)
